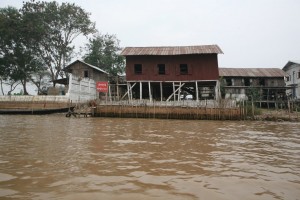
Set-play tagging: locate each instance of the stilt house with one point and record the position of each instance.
(264, 85)
(172, 73)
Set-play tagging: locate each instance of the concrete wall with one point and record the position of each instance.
(40, 98)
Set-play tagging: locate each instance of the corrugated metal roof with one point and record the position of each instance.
(290, 62)
(177, 50)
(251, 72)
(92, 66)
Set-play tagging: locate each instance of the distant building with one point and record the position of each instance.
(172, 73)
(265, 85)
(292, 80)
(80, 86)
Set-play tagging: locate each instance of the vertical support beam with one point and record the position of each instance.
(161, 91)
(197, 92)
(118, 94)
(79, 100)
(179, 92)
(150, 94)
(174, 91)
(129, 91)
(109, 92)
(217, 91)
(141, 91)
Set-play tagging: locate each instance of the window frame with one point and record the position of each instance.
(159, 71)
(86, 74)
(183, 69)
(136, 69)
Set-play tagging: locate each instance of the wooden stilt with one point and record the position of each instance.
(150, 94)
(197, 91)
(141, 90)
(161, 91)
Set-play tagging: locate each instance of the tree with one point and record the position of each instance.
(17, 59)
(54, 28)
(103, 52)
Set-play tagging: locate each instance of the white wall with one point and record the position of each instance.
(81, 89)
(292, 72)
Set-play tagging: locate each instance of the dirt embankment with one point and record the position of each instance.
(278, 115)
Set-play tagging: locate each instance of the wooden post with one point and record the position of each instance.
(174, 91)
(252, 108)
(197, 92)
(161, 91)
(141, 91)
(150, 95)
(289, 109)
(118, 94)
(109, 93)
(128, 90)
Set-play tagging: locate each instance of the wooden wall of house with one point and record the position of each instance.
(78, 69)
(200, 67)
(256, 81)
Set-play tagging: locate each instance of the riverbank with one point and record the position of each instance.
(277, 115)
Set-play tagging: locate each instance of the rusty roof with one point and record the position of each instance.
(176, 50)
(251, 72)
(92, 66)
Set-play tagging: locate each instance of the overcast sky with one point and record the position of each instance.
(251, 33)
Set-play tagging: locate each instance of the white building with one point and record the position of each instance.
(292, 69)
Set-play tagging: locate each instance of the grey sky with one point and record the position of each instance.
(251, 33)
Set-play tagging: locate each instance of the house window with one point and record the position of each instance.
(228, 81)
(138, 68)
(299, 74)
(161, 69)
(183, 69)
(262, 82)
(247, 81)
(287, 78)
(86, 74)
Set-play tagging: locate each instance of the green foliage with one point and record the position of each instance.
(103, 52)
(54, 28)
(222, 87)
(17, 59)
(248, 107)
(253, 93)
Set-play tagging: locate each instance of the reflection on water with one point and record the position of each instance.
(44, 157)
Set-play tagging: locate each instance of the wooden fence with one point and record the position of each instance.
(206, 110)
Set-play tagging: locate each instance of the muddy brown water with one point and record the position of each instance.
(54, 157)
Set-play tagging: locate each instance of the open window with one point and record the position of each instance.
(228, 82)
(262, 82)
(138, 69)
(161, 69)
(183, 69)
(86, 74)
(247, 81)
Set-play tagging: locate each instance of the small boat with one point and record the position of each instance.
(35, 111)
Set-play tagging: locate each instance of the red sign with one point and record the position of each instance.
(102, 86)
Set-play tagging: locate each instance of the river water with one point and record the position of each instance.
(54, 157)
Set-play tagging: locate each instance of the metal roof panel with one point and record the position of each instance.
(251, 72)
(168, 50)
